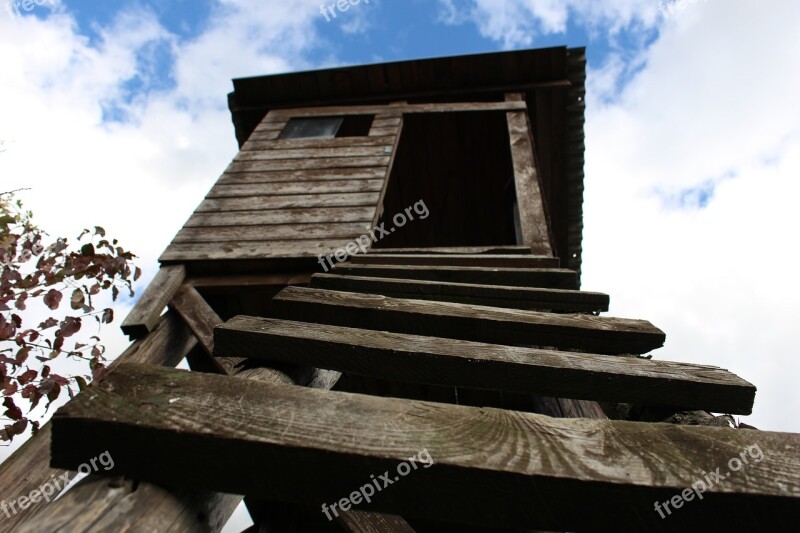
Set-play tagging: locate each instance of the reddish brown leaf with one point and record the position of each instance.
(12, 411)
(47, 324)
(108, 316)
(52, 299)
(20, 303)
(69, 326)
(27, 376)
(78, 300)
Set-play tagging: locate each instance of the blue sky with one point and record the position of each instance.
(115, 113)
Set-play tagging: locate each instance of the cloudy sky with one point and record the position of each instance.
(115, 113)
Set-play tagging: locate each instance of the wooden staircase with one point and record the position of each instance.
(505, 322)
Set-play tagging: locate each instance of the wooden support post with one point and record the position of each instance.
(487, 466)
(29, 467)
(147, 310)
(530, 199)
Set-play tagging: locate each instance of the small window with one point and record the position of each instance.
(327, 127)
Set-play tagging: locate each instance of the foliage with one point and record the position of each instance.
(47, 294)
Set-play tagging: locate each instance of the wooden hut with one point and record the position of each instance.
(380, 302)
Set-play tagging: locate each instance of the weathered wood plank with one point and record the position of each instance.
(290, 201)
(556, 278)
(397, 131)
(363, 522)
(274, 232)
(181, 251)
(533, 299)
(320, 215)
(336, 174)
(447, 107)
(230, 190)
(438, 361)
(266, 135)
(468, 322)
(469, 250)
(307, 164)
(250, 280)
(380, 132)
(281, 144)
(486, 467)
(530, 200)
(312, 153)
(478, 260)
(147, 310)
(28, 468)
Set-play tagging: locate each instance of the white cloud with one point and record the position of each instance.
(516, 23)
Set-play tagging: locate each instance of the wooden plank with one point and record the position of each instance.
(290, 201)
(447, 107)
(250, 280)
(273, 232)
(28, 468)
(488, 467)
(530, 200)
(479, 260)
(320, 215)
(379, 207)
(265, 135)
(468, 322)
(556, 278)
(335, 174)
(337, 142)
(312, 153)
(533, 299)
(380, 132)
(438, 361)
(147, 310)
(181, 251)
(307, 164)
(469, 250)
(225, 190)
(363, 522)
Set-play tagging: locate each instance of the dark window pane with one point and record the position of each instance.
(308, 128)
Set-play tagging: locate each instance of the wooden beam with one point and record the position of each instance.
(555, 278)
(331, 164)
(147, 310)
(384, 141)
(230, 190)
(395, 130)
(28, 468)
(250, 280)
(468, 322)
(289, 201)
(485, 467)
(476, 260)
(362, 522)
(532, 299)
(472, 250)
(273, 232)
(530, 200)
(456, 107)
(438, 361)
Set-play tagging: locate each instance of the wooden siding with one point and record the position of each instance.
(291, 198)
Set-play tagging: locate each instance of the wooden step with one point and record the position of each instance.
(534, 299)
(437, 361)
(468, 322)
(458, 250)
(485, 467)
(476, 260)
(554, 278)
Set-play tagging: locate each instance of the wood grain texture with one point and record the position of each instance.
(470, 250)
(341, 142)
(292, 201)
(336, 174)
(181, 252)
(273, 232)
(468, 322)
(478, 260)
(362, 522)
(147, 310)
(555, 278)
(321, 215)
(532, 299)
(490, 467)
(307, 164)
(225, 190)
(28, 468)
(438, 361)
(530, 200)
(288, 154)
(455, 107)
